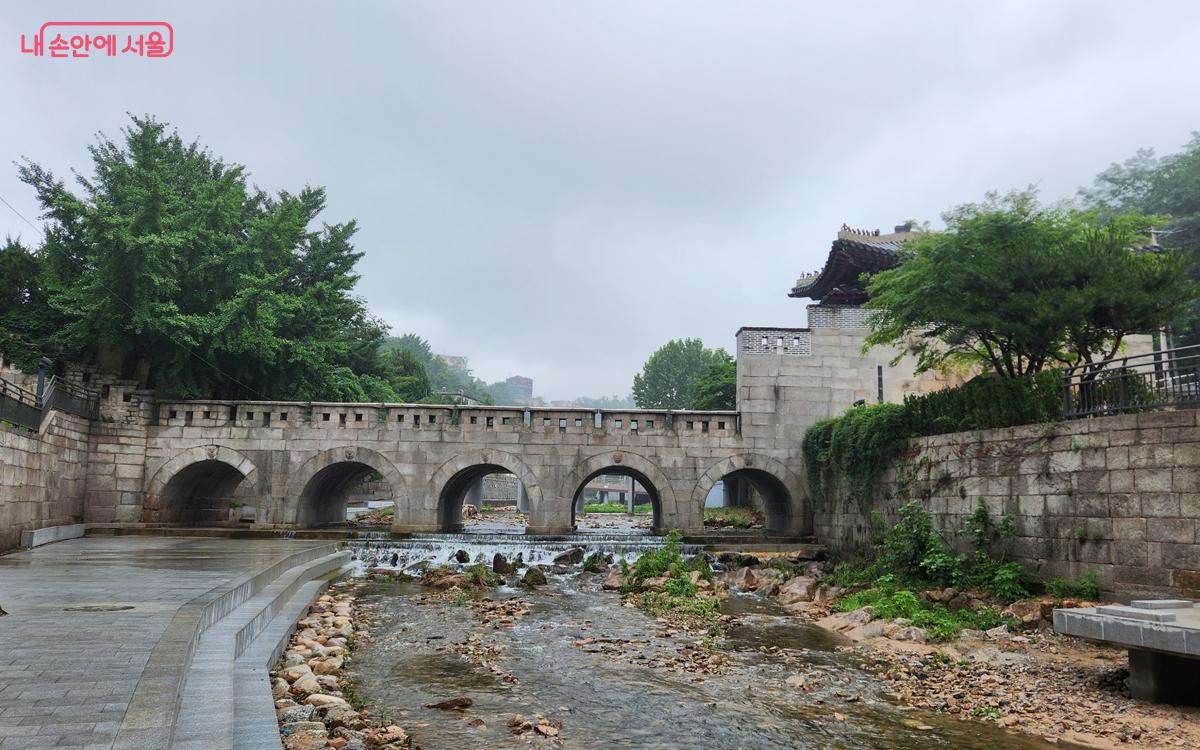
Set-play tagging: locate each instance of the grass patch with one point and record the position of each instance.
(940, 622)
(595, 563)
(481, 576)
(688, 610)
(912, 554)
(615, 508)
(1085, 587)
(680, 599)
(738, 518)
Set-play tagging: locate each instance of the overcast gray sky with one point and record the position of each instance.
(554, 189)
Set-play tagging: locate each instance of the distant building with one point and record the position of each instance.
(520, 387)
(454, 363)
(515, 391)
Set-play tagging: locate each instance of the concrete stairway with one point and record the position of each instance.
(226, 698)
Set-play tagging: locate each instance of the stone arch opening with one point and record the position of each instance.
(450, 484)
(325, 496)
(764, 492)
(759, 482)
(596, 487)
(199, 494)
(466, 487)
(320, 490)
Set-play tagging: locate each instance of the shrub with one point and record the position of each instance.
(594, 563)
(940, 622)
(1085, 588)
(913, 553)
(481, 576)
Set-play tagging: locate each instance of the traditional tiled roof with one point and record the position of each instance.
(852, 255)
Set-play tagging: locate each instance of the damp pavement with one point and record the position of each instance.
(91, 647)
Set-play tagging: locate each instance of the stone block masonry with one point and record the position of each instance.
(1118, 495)
(42, 476)
(288, 465)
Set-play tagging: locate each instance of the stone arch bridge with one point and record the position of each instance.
(291, 465)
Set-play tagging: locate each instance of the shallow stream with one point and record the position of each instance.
(612, 675)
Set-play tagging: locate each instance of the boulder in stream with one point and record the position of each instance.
(570, 557)
(534, 577)
(451, 704)
(500, 564)
(614, 580)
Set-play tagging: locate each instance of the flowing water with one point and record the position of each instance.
(579, 655)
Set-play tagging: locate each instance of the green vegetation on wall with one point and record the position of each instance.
(852, 450)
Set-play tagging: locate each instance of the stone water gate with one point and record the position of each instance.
(291, 465)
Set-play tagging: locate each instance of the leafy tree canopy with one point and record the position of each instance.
(717, 389)
(165, 265)
(1016, 286)
(446, 375)
(668, 379)
(26, 317)
(1168, 185)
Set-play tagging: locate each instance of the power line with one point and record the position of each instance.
(122, 300)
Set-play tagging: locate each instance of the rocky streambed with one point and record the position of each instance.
(554, 659)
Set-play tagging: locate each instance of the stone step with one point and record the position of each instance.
(208, 713)
(255, 726)
(155, 706)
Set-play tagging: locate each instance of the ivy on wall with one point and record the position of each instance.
(851, 451)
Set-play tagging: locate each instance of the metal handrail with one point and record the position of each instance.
(19, 406)
(1165, 378)
(66, 396)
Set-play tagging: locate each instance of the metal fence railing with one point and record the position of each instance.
(24, 409)
(68, 397)
(1170, 377)
(19, 407)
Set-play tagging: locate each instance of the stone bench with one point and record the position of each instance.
(1163, 639)
(38, 537)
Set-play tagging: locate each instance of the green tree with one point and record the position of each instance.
(404, 375)
(166, 266)
(1015, 286)
(1170, 186)
(716, 390)
(26, 318)
(668, 379)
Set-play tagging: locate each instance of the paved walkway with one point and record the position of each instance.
(67, 678)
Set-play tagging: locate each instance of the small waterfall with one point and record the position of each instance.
(441, 549)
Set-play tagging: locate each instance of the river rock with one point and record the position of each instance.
(755, 579)
(500, 564)
(1028, 611)
(798, 589)
(328, 665)
(570, 557)
(997, 632)
(533, 577)
(341, 715)
(452, 704)
(654, 584)
(296, 671)
(293, 714)
(320, 699)
(614, 580)
(389, 736)
(304, 735)
(279, 687)
(293, 658)
(306, 684)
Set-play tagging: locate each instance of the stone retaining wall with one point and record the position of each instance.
(42, 476)
(1116, 495)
